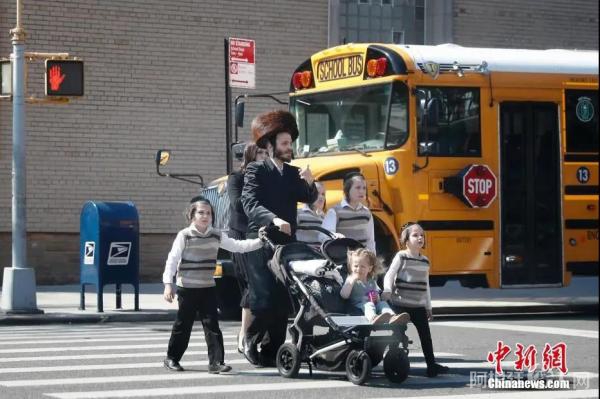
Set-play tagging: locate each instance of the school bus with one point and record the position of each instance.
(493, 151)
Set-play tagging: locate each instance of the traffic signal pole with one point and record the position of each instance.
(18, 283)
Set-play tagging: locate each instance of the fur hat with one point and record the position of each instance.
(268, 124)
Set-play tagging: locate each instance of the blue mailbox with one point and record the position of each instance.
(109, 248)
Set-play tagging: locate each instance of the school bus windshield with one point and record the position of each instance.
(368, 118)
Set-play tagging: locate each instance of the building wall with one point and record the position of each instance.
(526, 24)
(153, 79)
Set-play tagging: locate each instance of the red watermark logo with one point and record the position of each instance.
(553, 357)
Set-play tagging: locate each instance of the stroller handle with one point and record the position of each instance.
(270, 229)
(317, 228)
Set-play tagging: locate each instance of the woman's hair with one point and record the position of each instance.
(319, 185)
(250, 152)
(349, 180)
(406, 232)
(374, 262)
(193, 207)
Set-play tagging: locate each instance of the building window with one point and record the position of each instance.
(364, 1)
(386, 2)
(397, 37)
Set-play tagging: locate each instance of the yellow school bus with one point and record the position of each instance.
(493, 151)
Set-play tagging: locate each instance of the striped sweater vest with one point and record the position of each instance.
(412, 280)
(199, 260)
(308, 218)
(353, 223)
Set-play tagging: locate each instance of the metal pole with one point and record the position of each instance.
(227, 110)
(18, 284)
(19, 207)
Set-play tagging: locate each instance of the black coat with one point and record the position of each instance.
(268, 194)
(237, 217)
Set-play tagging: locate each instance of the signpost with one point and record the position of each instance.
(240, 73)
(242, 69)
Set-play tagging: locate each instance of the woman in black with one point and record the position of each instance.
(238, 223)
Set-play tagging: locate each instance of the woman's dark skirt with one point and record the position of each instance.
(240, 262)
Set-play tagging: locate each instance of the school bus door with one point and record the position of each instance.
(531, 228)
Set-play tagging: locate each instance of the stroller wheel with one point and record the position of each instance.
(358, 367)
(288, 361)
(396, 365)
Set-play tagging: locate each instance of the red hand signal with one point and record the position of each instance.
(56, 78)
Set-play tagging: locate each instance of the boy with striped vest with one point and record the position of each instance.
(406, 285)
(192, 262)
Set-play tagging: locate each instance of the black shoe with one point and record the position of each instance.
(172, 365)
(250, 352)
(266, 361)
(436, 369)
(218, 368)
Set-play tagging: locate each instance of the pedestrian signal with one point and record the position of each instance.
(64, 78)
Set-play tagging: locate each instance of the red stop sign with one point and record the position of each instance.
(479, 186)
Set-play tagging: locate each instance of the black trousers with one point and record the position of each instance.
(269, 304)
(418, 316)
(192, 301)
(267, 329)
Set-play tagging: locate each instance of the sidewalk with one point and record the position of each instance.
(60, 303)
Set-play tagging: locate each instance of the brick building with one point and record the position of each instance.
(154, 79)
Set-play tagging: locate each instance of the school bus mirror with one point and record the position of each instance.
(162, 157)
(238, 151)
(433, 112)
(239, 114)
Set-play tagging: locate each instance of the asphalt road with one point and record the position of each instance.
(125, 360)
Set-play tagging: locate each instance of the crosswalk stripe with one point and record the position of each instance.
(20, 338)
(514, 327)
(113, 366)
(90, 340)
(61, 328)
(90, 348)
(507, 365)
(120, 355)
(111, 379)
(103, 356)
(201, 390)
(72, 331)
(531, 394)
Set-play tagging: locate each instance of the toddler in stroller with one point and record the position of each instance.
(314, 280)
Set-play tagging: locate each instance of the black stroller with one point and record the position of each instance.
(314, 292)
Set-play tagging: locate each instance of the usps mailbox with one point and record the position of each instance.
(109, 248)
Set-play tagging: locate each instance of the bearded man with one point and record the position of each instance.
(272, 190)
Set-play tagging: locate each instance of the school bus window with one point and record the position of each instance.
(350, 120)
(398, 124)
(455, 129)
(582, 120)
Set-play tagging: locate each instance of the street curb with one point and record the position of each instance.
(169, 315)
(70, 318)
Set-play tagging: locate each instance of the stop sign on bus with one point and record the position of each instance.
(479, 186)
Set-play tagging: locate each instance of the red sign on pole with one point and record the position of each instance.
(241, 63)
(479, 186)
